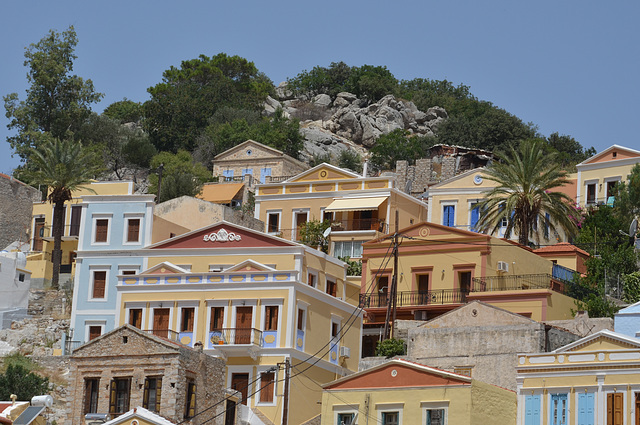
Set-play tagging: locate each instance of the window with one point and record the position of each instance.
(273, 222)
(99, 284)
(102, 230)
(91, 386)
(119, 396)
(475, 217)
(558, 409)
(615, 409)
(227, 174)
(449, 215)
(390, 418)
(301, 324)
(327, 215)
(21, 277)
(152, 393)
(332, 287)
(346, 418)
(532, 409)
(312, 279)
(76, 214)
(435, 416)
(547, 219)
(216, 319)
(271, 318)
(591, 193)
(135, 317)
(133, 230)
(188, 314)
(264, 173)
(267, 387)
(190, 404)
(351, 249)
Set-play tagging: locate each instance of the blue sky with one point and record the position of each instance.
(567, 66)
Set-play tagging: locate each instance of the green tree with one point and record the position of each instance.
(631, 292)
(181, 105)
(425, 93)
(181, 175)
(311, 234)
(63, 166)
(628, 197)
(372, 82)
(569, 151)
(19, 381)
(321, 80)
(57, 102)
(398, 145)
(351, 160)
(390, 347)
(527, 182)
(124, 111)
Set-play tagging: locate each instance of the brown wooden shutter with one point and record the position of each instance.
(615, 409)
(102, 229)
(158, 393)
(99, 283)
(87, 395)
(266, 387)
(187, 319)
(133, 233)
(145, 396)
(112, 397)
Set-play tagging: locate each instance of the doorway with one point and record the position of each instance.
(240, 383)
(244, 317)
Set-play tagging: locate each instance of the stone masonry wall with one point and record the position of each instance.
(141, 357)
(16, 202)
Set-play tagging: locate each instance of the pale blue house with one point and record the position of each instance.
(113, 230)
(627, 321)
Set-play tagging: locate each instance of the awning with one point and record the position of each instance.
(220, 193)
(356, 204)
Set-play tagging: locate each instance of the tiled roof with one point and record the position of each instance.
(561, 247)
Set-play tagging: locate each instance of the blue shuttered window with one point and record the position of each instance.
(449, 215)
(586, 411)
(532, 410)
(475, 216)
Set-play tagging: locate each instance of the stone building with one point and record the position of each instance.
(441, 163)
(16, 202)
(127, 367)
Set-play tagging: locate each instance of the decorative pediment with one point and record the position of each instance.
(248, 149)
(222, 235)
(324, 171)
(427, 231)
(250, 265)
(604, 340)
(164, 268)
(612, 153)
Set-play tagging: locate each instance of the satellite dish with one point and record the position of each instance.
(326, 233)
(634, 227)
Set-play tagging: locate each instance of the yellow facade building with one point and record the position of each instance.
(598, 175)
(594, 380)
(399, 392)
(41, 243)
(359, 208)
(257, 301)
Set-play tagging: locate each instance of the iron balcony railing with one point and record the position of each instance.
(359, 224)
(236, 336)
(413, 298)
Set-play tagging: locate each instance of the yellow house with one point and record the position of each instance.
(39, 260)
(594, 380)
(399, 392)
(441, 268)
(598, 175)
(259, 302)
(360, 208)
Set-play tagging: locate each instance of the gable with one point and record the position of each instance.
(248, 150)
(425, 231)
(613, 153)
(164, 268)
(478, 313)
(472, 179)
(324, 172)
(604, 340)
(138, 342)
(222, 235)
(395, 375)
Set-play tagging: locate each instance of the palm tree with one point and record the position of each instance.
(526, 195)
(63, 166)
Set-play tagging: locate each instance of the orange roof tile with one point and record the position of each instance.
(561, 247)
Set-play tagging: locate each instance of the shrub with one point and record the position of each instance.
(390, 347)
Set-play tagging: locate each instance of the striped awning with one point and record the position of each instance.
(356, 204)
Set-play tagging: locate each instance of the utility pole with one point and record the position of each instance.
(285, 409)
(391, 297)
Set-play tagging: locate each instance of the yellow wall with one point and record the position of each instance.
(600, 176)
(491, 405)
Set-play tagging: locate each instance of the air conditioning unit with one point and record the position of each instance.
(503, 266)
(345, 352)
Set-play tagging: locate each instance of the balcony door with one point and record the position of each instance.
(240, 383)
(38, 233)
(301, 220)
(244, 316)
(161, 322)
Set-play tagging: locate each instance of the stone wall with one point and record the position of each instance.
(16, 203)
(129, 353)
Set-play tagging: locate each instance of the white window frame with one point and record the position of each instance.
(560, 391)
(279, 214)
(382, 408)
(161, 304)
(453, 204)
(338, 320)
(278, 302)
(294, 221)
(259, 371)
(125, 268)
(242, 369)
(346, 409)
(94, 218)
(472, 202)
(125, 232)
(188, 304)
(435, 405)
(588, 183)
(244, 303)
(92, 270)
(89, 323)
(352, 241)
(136, 306)
(607, 180)
(301, 305)
(215, 303)
(606, 390)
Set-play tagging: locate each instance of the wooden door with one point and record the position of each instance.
(240, 383)
(161, 322)
(38, 233)
(615, 414)
(301, 220)
(243, 325)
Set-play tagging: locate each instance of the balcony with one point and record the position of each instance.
(235, 336)
(376, 224)
(416, 298)
(520, 282)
